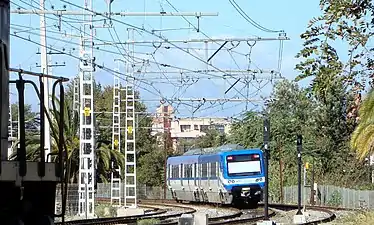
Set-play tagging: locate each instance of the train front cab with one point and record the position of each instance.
(243, 172)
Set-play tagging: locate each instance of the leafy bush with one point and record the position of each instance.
(335, 199)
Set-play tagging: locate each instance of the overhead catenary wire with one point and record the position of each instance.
(184, 70)
(149, 32)
(159, 63)
(113, 72)
(250, 20)
(178, 47)
(228, 49)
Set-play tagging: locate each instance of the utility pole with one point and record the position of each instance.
(167, 139)
(4, 76)
(45, 80)
(87, 142)
(115, 180)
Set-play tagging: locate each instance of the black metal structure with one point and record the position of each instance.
(28, 189)
(299, 142)
(266, 166)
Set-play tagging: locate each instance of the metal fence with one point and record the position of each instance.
(325, 195)
(328, 195)
(103, 191)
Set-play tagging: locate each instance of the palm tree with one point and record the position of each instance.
(362, 140)
(104, 154)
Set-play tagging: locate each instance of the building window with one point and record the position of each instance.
(185, 128)
(196, 127)
(204, 128)
(220, 128)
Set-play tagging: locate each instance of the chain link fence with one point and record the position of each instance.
(326, 195)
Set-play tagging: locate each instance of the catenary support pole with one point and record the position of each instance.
(299, 148)
(266, 165)
(86, 177)
(45, 80)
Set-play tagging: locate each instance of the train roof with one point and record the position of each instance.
(214, 150)
(191, 159)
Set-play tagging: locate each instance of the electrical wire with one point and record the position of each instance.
(250, 20)
(149, 32)
(143, 59)
(113, 72)
(228, 49)
(161, 38)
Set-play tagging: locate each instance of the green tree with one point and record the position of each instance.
(363, 137)
(71, 144)
(31, 119)
(151, 171)
(247, 131)
(291, 112)
(336, 79)
(212, 138)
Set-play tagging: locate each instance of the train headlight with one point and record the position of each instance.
(259, 179)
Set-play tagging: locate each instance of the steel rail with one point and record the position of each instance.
(234, 218)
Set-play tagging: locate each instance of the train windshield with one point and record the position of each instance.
(243, 165)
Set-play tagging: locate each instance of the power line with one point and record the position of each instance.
(107, 14)
(158, 36)
(250, 20)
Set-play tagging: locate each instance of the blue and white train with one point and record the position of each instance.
(224, 177)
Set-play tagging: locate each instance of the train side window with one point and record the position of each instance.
(188, 170)
(213, 169)
(195, 173)
(175, 171)
(185, 171)
(195, 170)
(204, 170)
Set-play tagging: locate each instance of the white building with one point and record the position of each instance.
(188, 128)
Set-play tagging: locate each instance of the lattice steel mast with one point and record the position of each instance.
(86, 206)
(130, 135)
(76, 95)
(115, 181)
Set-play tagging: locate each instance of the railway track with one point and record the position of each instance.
(160, 210)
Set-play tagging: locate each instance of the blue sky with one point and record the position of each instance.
(291, 16)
